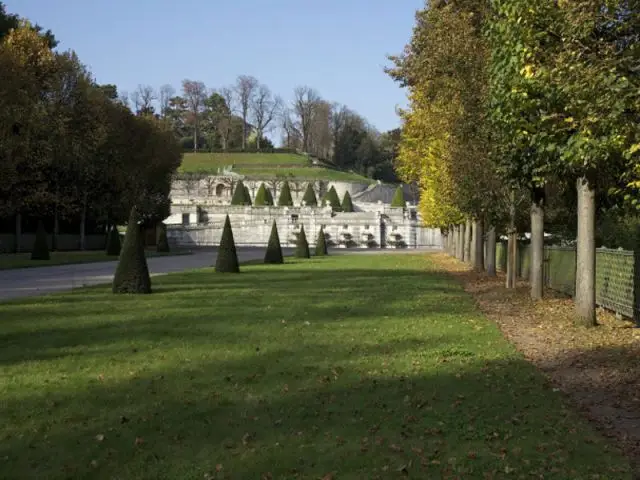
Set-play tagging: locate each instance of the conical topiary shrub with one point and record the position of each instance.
(247, 196)
(321, 244)
(113, 242)
(285, 199)
(239, 194)
(227, 261)
(132, 272)
(263, 198)
(40, 250)
(162, 242)
(274, 250)
(331, 199)
(309, 197)
(270, 198)
(347, 204)
(302, 246)
(398, 197)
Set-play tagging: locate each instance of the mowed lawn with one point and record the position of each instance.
(349, 367)
(23, 260)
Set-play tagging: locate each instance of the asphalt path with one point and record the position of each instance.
(26, 282)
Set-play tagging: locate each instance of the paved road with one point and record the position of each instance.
(25, 282)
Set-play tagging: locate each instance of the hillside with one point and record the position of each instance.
(264, 166)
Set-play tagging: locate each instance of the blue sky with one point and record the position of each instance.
(338, 47)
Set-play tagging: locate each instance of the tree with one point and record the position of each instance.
(239, 194)
(226, 119)
(40, 250)
(167, 92)
(195, 94)
(265, 108)
(132, 272)
(398, 197)
(247, 196)
(331, 199)
(273, 254)
(162, 242)
(347, 204)
(321, 244)
(285, 199)
(245, 90)
(143, 98)
(262, 197)
(305, 103)
(113, 242)
(227, 260)
(302, 246)
(309, 197)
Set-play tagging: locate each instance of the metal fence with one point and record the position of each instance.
(615, 272)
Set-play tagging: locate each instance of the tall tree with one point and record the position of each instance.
(265, 108)
(245, 88)
(194, 94)
(305, 102)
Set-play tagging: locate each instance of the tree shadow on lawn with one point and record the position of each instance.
(319, 412)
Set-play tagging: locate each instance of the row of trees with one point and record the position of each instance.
(70, 151)
(516, 103)
(240, 116)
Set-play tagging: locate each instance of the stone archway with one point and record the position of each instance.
(220, 190)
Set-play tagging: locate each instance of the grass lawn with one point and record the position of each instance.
(23, 260)
(350, 367)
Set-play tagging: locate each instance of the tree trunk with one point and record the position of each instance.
(460, 251)
(478, 246)
(472, 243)
(244, 131)
(537, 244)
(258, 141)
(56, 229)
(585, 298)
(83, 220)
(512, 245)
(18, 246)
(491, 252)
(467, 242)
(195, 137)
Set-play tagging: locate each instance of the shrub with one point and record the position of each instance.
(398, 197)
(285, 199)
(270, 197)
(347, 204)
(274, 250)
(302, 246)
(321, 244)
(40, 250)
(309, 197)
(263, 197)
(162, 242)
(331, 198)
(113, 242)
(132, 272)
(227, 261)
(247, 196)
(239, 194)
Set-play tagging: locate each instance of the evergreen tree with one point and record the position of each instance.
(247, 196)
(239, 194)
(302, 246)
(113, 242)
(309, 197)
(321, 244)
(132, 272)
(40, 250)
(347, 204)
(285, 199)
(274, 250)
(263, 197)
(331, 199)
(227, 261)
(398, 197)
(162, 242)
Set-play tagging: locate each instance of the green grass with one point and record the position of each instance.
(23, 260)
(364, 368)
(265, 166)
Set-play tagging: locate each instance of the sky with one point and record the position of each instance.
(338, 47)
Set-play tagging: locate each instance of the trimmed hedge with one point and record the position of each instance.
(132, 272)
(40, 249)
(162, 242)
(331, 198)
(398, 197)
(239, 194)
(347, 204)
(263, 197)
(309, 197)
(247, 196)
(113, 242)
(302, 246)
(270, 197)
(273, 254)
(321, 244)
(285, 199)
(227, 261)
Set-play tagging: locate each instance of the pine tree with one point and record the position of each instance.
(398, 197)
(331, 199)
(227, 261)
(239, 194)
(274, 250)
(309, 197)
(321, 244)
(247, 196)
(40, 250)
(132, 272)
(162, 242)
(113, 242)
(262, 197)
(302, 246)
(285, 199)
(347, 204)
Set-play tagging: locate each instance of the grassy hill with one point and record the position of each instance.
(264, 166)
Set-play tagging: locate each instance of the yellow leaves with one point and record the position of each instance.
(527, 71)
(27, 47)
